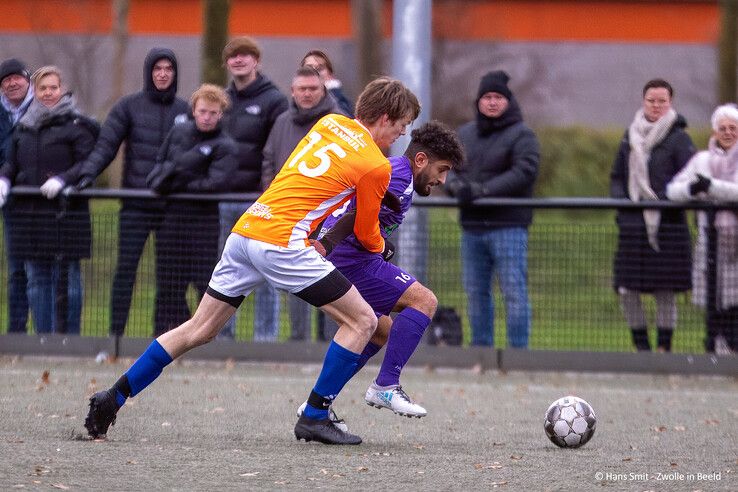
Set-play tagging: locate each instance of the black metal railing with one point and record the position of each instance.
(571, 246)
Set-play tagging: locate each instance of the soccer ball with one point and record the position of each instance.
(570, 422)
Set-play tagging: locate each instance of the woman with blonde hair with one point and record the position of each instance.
(47, 149)
(712, 175)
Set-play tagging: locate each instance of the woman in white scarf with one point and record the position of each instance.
(653, 254)
(712, 175)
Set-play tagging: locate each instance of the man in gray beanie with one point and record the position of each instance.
(502, 156)
(16, 94)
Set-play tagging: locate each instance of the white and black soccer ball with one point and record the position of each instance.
(570, 422)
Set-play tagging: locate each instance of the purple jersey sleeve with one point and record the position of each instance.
(401, 184)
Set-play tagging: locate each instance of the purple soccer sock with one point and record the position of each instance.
(405, 335)
(370, 351)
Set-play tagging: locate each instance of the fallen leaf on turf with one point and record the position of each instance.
(628, 459)
(362, 469)
(712, 421)
(419, 446)
(59, 486)
(132, 462)
(679, 428)
(673, 465)
(324, 471)
(248, 474)
(498, 444)
(498, 484)
(166, 424)
(45, 377)
(516, 457)
(660, 428)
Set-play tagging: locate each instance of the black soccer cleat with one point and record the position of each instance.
(103, 407)
(324, 431)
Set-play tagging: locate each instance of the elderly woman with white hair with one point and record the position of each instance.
(712, 175)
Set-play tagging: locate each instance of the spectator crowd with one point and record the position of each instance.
(236, 139)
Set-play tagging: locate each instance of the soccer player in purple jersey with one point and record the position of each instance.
(433, 151)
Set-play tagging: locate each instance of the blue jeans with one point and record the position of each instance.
(44, 282)
(266, 301)
(17, 297)
(503, 252)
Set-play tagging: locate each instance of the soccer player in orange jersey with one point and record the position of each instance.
(338, 159)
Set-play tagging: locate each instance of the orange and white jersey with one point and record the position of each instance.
(334, 161)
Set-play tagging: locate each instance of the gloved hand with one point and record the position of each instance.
(4, 191)
(468, 193)
(52, 187)
(389, 250)
(391, 201)
(700, 185)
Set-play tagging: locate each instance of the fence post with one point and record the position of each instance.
(711, 302)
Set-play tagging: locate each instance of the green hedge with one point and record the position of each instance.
(576, 161)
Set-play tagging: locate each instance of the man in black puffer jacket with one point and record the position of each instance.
(255, 104)
(197, 157)
(142, 120)
(502, 161)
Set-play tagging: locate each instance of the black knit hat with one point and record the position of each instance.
(13, 66)
(495, 81)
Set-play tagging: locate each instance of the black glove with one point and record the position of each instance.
(391, 201)
(464, 195)
(389, 250)
(469, 192)
(700, 185)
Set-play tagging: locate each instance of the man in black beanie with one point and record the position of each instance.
(16, 94)
(502, 156)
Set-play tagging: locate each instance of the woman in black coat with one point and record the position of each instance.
(196, 157)
(51, 139)
(653, 254)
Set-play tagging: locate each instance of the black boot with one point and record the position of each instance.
(664, 339)
(640, 339)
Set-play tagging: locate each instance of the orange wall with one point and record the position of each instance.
(511, 20)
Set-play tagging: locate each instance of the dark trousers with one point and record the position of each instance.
(188, 252)
(136, 222)
(17, 284)
(723, 322)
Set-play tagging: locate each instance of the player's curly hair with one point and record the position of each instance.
(438, 141)
(386, 96)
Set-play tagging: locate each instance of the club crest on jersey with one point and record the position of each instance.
(253, 109)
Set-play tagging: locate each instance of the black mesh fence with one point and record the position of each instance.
(148, 265)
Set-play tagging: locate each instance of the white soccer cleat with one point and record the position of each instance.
(338, 422)
(394, 398)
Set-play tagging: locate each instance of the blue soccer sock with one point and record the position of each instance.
(370, 351)
(142, 373)
(405, 335)
(338, 367)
